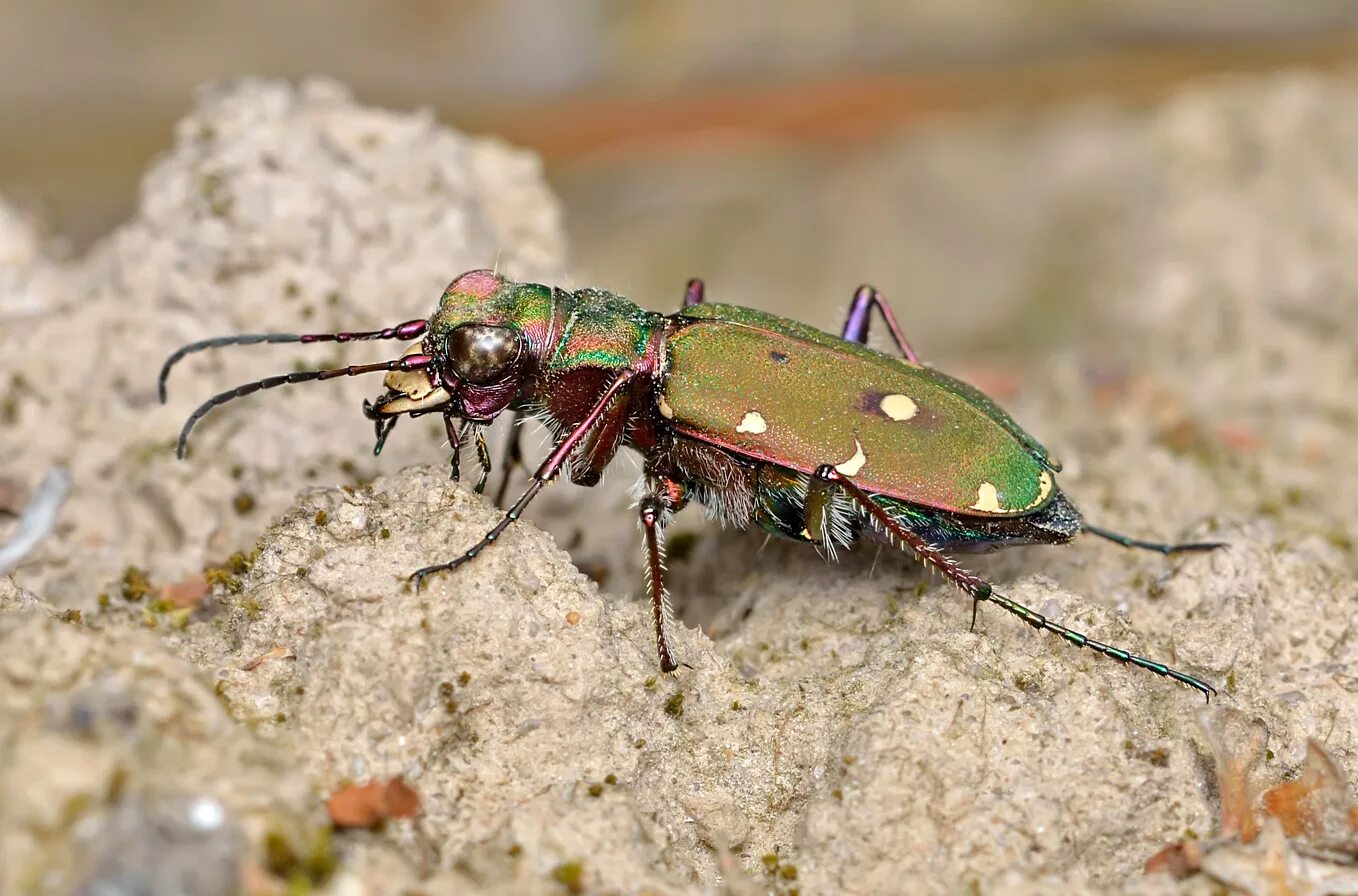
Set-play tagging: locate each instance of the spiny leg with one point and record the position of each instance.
(483, 459)
(1129, 542)
(980, 590)
(511, 458)
(456, 430)
(545, 473)
(654, 515)
(859, 321)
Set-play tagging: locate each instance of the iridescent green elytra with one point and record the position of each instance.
(765, 421)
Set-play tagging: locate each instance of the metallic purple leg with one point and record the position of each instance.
(857, 324)
(694, 293)
(545, 473)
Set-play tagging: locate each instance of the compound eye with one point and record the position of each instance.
(481, 354)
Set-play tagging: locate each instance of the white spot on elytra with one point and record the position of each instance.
(1044, 488)
(753, 422)
(665, 410)
(851, 466)
(899, 407)
(987, 498)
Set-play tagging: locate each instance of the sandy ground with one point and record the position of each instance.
(838, 728)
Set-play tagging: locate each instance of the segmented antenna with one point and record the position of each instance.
(409, 362)
(411, 329)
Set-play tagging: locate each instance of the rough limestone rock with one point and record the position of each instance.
(278, 209)
(837, 728)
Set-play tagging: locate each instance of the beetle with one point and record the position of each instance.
(766, 422)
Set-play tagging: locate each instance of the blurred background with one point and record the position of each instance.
(785, 151)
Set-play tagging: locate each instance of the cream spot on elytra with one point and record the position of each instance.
(665, 410)
(1044, 488)
(898, 407)
(987, 499)
(752, 422)
(851, 466)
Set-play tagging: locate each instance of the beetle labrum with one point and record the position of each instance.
(764, 421)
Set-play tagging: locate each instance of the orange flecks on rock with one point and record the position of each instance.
(251, 665)
(1239, 437)
(186, 594)
(1238, 745)
(1311, 804)
(1178, 860)
(364, 805)
(572, 617)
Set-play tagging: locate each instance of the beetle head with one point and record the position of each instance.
(479, 341)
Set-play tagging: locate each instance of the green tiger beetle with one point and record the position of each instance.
(763, 420)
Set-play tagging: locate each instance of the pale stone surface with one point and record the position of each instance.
(839, 720)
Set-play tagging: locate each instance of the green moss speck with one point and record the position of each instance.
(788, 872)
(770, 861)
(384, 533)
(610, 779)
(570, 875)
(135, 585)
(464, 678)
(649, 683)
(674, 706)
(220, 575)
(304, 866)
(322, 517)
(243, 503)
(596, 790)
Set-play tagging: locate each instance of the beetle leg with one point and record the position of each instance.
(482, 459)
(1128, 542)
(980, 590)
(655, 512)
(546, 472)
(859, 321)
(382, 427)
(694, 293)
(455, 434)
(511, 459)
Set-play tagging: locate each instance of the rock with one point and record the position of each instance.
(279, 208)
(837, 728)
